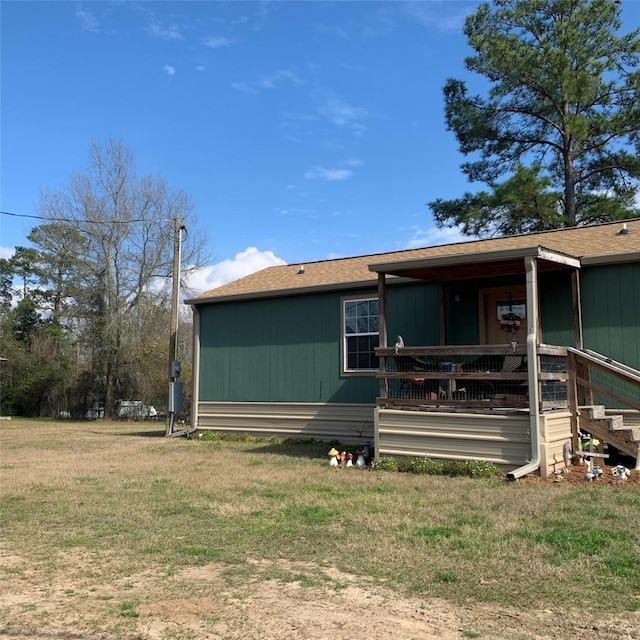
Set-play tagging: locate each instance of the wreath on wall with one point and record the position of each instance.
(510, 321)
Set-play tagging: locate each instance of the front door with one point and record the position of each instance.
(503, 313)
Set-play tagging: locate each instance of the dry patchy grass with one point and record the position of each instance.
(112, 529)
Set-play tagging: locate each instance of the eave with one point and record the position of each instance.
(476, 265)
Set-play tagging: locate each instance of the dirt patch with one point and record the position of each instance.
(198, 604)
(577, 474)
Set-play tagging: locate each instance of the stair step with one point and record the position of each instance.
(615, 423)
(593, 412)
(625, 440)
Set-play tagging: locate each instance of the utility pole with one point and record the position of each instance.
(175, 387)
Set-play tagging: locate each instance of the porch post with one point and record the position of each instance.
(572, 369)
(533, 339)
(382, 329)
(531, 270)
(382, 310)
(577, 309)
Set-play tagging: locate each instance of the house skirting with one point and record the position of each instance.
(501, 438)
(347, 423)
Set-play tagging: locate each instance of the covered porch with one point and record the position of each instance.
(513, 403)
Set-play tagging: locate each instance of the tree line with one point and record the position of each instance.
(85, 310)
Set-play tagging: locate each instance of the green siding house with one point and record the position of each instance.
(309, 350)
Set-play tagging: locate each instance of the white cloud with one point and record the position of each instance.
(88, 20)
(341, 113)
(7, 252)
(200, 67)
(243, 264)
(443, 16)
(328, 174)
(268, 81)
(435, 236)
(244, 87)
(169, 70)
(216, 42)
(169, 32)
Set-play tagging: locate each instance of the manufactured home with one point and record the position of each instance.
(501, 349)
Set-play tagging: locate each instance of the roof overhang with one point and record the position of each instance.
(281, 293)
(632, 256)
(465, 266)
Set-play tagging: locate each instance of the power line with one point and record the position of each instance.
(71, 220)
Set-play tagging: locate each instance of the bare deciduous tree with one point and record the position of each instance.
(119, 226)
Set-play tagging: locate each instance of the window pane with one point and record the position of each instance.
(350, 325)
(349, 309)
(360, 352)
(362, 308)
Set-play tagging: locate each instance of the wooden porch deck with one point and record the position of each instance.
(473, 378)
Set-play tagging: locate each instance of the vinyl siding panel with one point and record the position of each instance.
(611, 311)
(502, 439)
(556, 308)
(287, 349)
(271, 350)
(555, 430)
(413, 311)
(348, 423)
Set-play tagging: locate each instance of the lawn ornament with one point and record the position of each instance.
(588, 441)
(342, 458)
(333, 457)
(567, 453)
(621, 472)
(360, 458)
(557, 473)
(349, 460)
(597, 472)
(366, 445)
(589, 476)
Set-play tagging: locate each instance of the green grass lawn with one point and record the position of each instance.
(133, 501)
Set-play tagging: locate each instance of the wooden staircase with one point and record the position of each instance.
(620, 429)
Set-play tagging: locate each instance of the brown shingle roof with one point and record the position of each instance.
(594, 242)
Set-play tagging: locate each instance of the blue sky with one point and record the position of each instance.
(302, 130)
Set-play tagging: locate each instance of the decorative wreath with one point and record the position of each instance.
(510, 321)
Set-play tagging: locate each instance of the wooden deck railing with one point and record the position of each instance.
(469, 376)
(601, 380)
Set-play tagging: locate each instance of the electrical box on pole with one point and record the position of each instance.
(175, 397)
(176, 368)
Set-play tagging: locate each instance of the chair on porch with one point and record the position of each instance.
(487, 389)
(414, 387)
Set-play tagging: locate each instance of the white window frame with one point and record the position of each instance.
(347, 335)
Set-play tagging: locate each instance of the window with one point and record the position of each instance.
(360, 334)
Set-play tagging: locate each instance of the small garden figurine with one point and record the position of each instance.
(333, 457)
(621, 472)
